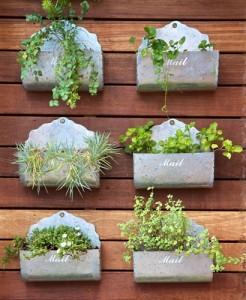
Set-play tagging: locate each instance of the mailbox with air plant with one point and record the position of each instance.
(175, 154)
(61, 247)
(64, 154)
(170, 247)
(61, 56)
(176, 57)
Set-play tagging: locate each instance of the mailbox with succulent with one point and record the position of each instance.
(61, 247)
(176, 57)
(175, 154)
(61, 57)
(64, 154)
(170, 247)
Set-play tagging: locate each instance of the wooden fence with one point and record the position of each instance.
(221, 209)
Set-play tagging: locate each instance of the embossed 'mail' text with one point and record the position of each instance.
(171, 260)
(170, 163)
(55, 259)
(177, 62)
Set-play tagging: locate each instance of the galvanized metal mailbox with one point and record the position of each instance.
(178, 170)
(168, 266)
(50, 267)
(193, 69)
(62, 133)
(49, 56)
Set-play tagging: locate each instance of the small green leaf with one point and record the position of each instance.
(132, 40)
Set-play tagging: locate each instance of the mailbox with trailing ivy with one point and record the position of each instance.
(61, 247)
(62, 56)
(175, 154)
(170, 247)
(176, 57)
(64, 154)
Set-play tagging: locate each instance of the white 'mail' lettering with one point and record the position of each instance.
(177, 62)
(167, 259)
(170, 163)
(56, 259)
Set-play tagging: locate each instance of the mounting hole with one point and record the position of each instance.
(174, 25)
(62, 120)
(172, 122)
(62, 214)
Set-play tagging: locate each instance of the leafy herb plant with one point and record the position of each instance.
(72, 58)
(139, 140)
(64, 239)
(161, 51)
(156, 230)
(79, 166)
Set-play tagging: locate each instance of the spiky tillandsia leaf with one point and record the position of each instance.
(78, 167)
(78, 171)
(101, 151)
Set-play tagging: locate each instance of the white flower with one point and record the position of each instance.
(63, 244)
(77, 228)
(64, 235)
(58, 251)
(69, 243)
(79, 234)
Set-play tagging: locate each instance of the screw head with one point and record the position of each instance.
(172, 122)
(62, 120)
(174, 25)
(62, 214)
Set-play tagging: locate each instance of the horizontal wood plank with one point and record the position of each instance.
(137, 9)
(120, 68)
(114, 35)
(126, 101)
(120, 286)
(14, 195)
(15, 129)
(227, 226)
(112, 252)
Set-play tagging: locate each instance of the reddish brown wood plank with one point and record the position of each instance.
(120, 68)
(114, 35)
(14, 195)
(226, 225)
(16, 129)
(126, 101)
(137, 9)
(112, 253)
(120, 285)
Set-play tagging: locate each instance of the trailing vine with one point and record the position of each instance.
(72, 58)
(139, 140)
(161, 51)
(155, 230)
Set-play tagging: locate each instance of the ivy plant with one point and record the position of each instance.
(79, 165)
(211, 138)
(71, 60)
(64, 239)
(152, 229)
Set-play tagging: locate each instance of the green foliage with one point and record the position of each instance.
(160, 52)
(204, 45)
(155, 230)
(72, 58)
(78, 166)
(132, 40)
(64, 239)
(159, 49)
(139, 140)
(12, 250)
